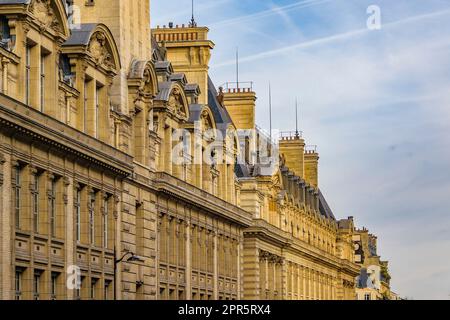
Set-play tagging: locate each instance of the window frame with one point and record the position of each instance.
(28, 74)
(35, 202)
(18, 284)
(36, 285)
(17, 195)
(92, 204)
(52, 203)
(78, 215)
(42, 81)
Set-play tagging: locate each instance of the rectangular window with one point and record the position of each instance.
(105, 224)
(78, 215)
(35, 198)
(97, 109)
(93, 287)
(17, 190)
(106, 289)
(53, 208)
(85, 105)
(54, 285)
(367, 296)
(42, 83)
(78, 290)
(27, 74)
(18, 284)
(92, 220)
(36, 285)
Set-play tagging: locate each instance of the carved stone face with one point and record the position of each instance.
(176, 92)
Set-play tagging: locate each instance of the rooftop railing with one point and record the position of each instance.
(291, 135)
(237, 87)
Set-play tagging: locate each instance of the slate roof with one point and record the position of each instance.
(15, 1)
(81, 35)
(324, 208)
(221, 116)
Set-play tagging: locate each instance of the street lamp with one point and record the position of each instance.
(130, 257)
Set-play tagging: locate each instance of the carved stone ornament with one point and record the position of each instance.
(176, 102)
(99, 51)
(146, 82)
(206, 122)
(44, 13)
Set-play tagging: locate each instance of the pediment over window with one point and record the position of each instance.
(143, 72)
(97, 41)
(174, 98)
(50, 14)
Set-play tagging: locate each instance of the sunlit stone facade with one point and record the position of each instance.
(91, 104)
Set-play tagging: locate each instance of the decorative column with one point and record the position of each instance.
(188, 272)
(216, 267)
(283, 278)
(70, 229)
(118, 245)
(303, 283)
(5, 63)
(5, 229)
(239, 265)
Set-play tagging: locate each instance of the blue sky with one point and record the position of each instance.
(377, 103)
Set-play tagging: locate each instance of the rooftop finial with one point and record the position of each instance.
(297, 133)
(237, 68)
(270, 111)
(193, 24)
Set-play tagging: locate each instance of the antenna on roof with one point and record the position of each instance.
(237, 68)
(270, 112)
(297, 134)
(192, 24)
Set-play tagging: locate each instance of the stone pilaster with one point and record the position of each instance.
(5, 229)
(188, 236)
(70, 228)
(118, 246)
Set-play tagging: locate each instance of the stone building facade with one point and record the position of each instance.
(93, 108)
(373, 283)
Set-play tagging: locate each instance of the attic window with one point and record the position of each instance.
(5, 33)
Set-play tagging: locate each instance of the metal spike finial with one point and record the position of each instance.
(193, 24)
(297, 133)
(270, 110)
(237, 68)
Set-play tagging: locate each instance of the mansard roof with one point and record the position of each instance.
(221, 115)
(81, 35)
(324, 208)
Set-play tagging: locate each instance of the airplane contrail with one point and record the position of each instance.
(269, 12)
(337, 37)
